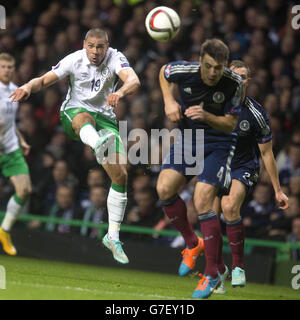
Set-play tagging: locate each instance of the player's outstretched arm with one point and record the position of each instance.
(172, 107)
(34, 85)
(131, 83)
(271, 167)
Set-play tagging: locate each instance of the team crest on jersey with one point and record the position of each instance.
(244, 125)
(218, 97)
(105, 73)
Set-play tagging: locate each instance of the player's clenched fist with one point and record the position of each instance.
(196, 112)
(173, 111)
(113, 99)
(21, 94)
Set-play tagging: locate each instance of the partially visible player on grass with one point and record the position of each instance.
(12, 162)
(254, 138)
(88, 115)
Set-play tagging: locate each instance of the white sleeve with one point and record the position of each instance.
(120, 62)
(64, 67)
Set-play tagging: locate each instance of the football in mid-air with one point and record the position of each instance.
(162, 23)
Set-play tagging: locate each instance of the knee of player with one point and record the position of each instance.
(200, 204)
(80, 120)
(164, 191)
(230, 209)
(24, 192)
(120, 176)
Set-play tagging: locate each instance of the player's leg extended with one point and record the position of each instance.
(22, 185)
(231, 205)
(204, 196)
(84, 126)
(168, 184)
(116, 205)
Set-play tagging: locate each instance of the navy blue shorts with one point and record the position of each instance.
(248, 176)
(212, 167)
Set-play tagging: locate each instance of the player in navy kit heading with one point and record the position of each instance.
(254, 139)
(210, 96)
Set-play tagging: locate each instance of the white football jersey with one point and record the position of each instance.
(89, 85)
(9, 141)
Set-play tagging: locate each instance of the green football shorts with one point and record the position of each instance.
(13, 164)
(102, 123)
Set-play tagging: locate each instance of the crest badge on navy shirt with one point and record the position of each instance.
(218, 97)
(245, 125)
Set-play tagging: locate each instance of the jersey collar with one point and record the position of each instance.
(5, 86)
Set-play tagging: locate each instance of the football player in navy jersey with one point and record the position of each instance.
(209, 102)
(254, 138)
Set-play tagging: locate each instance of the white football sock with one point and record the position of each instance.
(89, 135)
(116, 205)
(12, 212)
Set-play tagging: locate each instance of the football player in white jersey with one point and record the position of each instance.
(87, 115)
(12, 162)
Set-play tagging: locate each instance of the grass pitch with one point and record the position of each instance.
(32, 279)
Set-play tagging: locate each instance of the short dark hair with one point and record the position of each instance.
(240, 64)
(215, 48)
(96, 33)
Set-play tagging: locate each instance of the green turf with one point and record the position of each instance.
(40, 279)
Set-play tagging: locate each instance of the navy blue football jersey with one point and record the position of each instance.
(224, 98)
(253, 128)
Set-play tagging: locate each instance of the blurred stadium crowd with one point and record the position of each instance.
(67, 182)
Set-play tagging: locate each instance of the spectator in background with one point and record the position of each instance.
(26, 110)
(95, 211)
(64, 207)
(58, 144)
(145, 213)
(85, 163)
(294, 236)
(42, 167)
(256, 213)
(48, 113)
(294, 185)
(46, 190)
(282, 157)
(35, 136)
(271, 104)
(96, 177)
(292, 165)
(281, 225)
